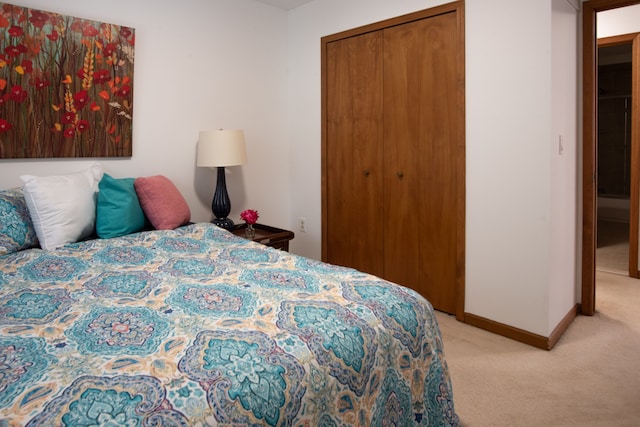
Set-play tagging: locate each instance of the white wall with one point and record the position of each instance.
(614, 22)
(564, 159)
(508, 162)
(511, 208)
(200, 64)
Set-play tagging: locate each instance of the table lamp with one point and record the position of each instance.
(221, 148)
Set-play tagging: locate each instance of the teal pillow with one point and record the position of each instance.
(118, 210)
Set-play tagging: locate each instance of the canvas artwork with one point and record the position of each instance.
(66, 86)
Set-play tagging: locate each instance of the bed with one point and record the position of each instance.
(194, 326)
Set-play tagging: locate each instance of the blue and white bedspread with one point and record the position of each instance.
(198, 327)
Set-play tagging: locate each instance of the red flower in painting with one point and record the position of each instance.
(38, 18)
(82, 125)
(101, 76)
(69, 132)
(15, 31)
(109, 49)
(27, 65)
(18, 94)
(55, 20)
(41, 84)
(77, 26)
(68, 118)
(125, 32)
(80, 99)
(5, 125)
(124, 91)
(53, 36)
(13, 51)
(89, 30)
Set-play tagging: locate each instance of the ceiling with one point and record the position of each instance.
(285, 4)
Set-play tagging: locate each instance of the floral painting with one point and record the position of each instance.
(66, 86)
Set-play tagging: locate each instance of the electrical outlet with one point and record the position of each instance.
(303, 224)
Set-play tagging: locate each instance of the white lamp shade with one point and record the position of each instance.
(223, 147)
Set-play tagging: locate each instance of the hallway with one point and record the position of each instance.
(612, 253)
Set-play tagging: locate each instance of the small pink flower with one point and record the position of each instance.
(249, 216)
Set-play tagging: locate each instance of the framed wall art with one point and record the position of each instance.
(66, 86)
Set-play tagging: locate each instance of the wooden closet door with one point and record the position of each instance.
(353, 176)
(421, 145)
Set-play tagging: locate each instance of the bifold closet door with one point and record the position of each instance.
(354, 158)
(421, 142)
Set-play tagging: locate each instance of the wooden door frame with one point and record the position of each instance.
(589, 151)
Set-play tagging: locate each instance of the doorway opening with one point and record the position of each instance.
(614, 153)
(590, 155)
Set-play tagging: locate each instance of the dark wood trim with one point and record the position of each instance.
(589, 146)
(589, 159)
(614, 40)
(461, 166)
(525, 337)
(602, 5)
(562, 327)
(511, 332)
(634, 211)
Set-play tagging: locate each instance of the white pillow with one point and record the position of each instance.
(62, 207)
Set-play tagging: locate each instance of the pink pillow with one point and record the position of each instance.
(162, 202)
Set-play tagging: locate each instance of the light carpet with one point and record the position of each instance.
(590, 378)
(612, 252)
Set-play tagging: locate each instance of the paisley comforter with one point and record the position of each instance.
(196, 326)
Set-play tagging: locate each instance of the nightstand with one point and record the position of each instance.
(269, 236)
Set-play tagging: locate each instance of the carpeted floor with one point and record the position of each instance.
(590, 378)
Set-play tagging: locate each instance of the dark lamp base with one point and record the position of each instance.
(225, 223)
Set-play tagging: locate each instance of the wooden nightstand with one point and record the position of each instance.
(269, 236)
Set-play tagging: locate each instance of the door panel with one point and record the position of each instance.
(420, 143)
(354, 145)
